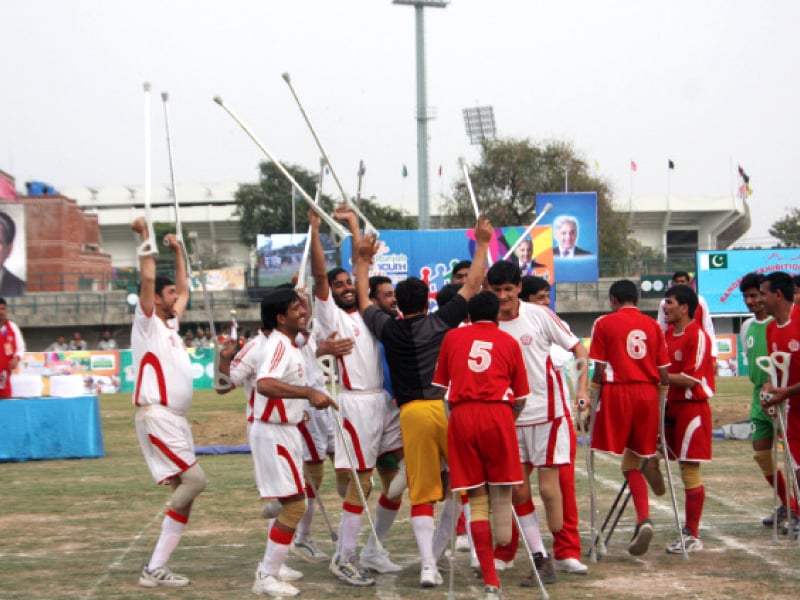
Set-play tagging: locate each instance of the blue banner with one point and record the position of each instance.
(719, 273)
(574, 222)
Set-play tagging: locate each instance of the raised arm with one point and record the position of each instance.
(147, 269)
(362, 255)
(477, 271)
(318, 270)
(181, 276)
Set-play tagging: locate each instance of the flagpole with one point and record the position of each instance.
(294, 224)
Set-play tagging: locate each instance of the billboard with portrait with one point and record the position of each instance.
(13, 259)
(573, 219)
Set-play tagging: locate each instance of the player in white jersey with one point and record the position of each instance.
(369, 419)
(275, 441)
(543, 429)
(161, 425)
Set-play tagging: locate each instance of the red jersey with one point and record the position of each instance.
(481, 363)
(631, 345)
(786, 338)
(690, 356)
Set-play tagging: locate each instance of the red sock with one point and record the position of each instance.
(461, 526)
(482, 538)
(781, 489)
(695, 498)
(638, 487)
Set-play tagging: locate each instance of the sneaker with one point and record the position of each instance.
(271, 510)
(492, 592)
(462, 543)
(162, 576)
(308, 551)
(692, 544)
(571, 565)
(503, 565)
(286, 573)
(791, 527)
(429, 576)
(544, 566)
(378, 561)
(642, 535)
(652, 473)
(272, 586)
(474, 563)
(350, 572)
(770, 519)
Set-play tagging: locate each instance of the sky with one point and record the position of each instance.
(708, 85)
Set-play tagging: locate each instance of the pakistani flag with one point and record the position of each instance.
(714, 261)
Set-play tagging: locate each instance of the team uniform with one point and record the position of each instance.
(687, 419)
(485, 371)
(754, 341)
(543, 426)
(161, 425)
(786, 338)
(244, 369)
(13, 346)
(317, 427)
(702, 316)
(631, 345)
(275, 441)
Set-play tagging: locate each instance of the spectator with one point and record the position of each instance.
(77, 343)
(13, 345)
(60, 345)
(107, 342)
(188, 339)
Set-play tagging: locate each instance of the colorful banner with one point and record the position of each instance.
(218, 280)
(727, 355)
(574, 222)
(719, 273)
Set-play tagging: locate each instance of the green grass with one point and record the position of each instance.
(83, 528)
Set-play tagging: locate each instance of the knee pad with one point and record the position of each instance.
(500, 498)
(291, 512)
(315, 471)
(386, 475)
(631, 462)
(352, 496)
(342, 479)
(763, 459)
(479, 508)
(690, 474)
(192, 483)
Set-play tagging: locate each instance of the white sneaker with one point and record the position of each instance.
(474, 563)
(161, 576)
(400, 483)
(503, 565)
(692, 544)
(308, 551)
(462, 543)
(571, 565)
(286, 573)
(272, 586)
(430, 576)
(350, 572)
(378, 561)
(271, 510)
(492, 592)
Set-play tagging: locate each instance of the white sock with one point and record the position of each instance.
(530, 529)
(274, 556)
(171, 532)
(423, 531)
(303, 531)
(442, 536)
(348, 535)
(384, 518)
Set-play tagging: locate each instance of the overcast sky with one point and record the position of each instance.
(708, 84)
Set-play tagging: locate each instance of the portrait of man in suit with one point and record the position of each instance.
(524, 256)
(565, 232)
(10, 284)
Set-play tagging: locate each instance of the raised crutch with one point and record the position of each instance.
(338, 233)
(310, 482)
(178, 226)
(148, 247)
(328, 365)
(474, 201)
(368, 227)
(527, 232)
(662, 406)
(545, 595)
(301, 274)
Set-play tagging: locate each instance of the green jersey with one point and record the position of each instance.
(754, 339)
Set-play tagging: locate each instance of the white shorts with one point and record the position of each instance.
(545, 444)
(166, 441)
(371, 423)
(277, 452)
(317, 432)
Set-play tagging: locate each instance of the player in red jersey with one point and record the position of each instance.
(687, 421)
(484, 369)
(783, 335)
(630, 363)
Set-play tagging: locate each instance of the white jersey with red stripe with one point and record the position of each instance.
(245, 367)
(536, 328)
(285, 363)
(361, 370)
(158, 352)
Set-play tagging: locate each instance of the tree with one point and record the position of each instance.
(787, 229)
(510, 174)
(386, 217)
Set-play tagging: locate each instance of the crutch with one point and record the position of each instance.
(545, 595)
(148, 247)
(310, 482)
(178, 226)
(593, 509)
(765, 364)
(451, 594)
(368, 227)
(301, 274)
(328, 365)
(662, 405)
(474, 202)
(782, 360)
(527, 232)
(601, 543)
(338, 233)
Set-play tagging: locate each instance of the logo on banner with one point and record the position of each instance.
(717, 261)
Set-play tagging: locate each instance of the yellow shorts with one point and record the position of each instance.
(423, 424)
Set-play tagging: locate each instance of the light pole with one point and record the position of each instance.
(422, 110)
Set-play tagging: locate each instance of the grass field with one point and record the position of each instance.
(83, 528)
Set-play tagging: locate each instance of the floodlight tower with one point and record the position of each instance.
(422, 109)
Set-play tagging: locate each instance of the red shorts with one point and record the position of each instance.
(687, 427)
(482, 445)
(626, 417)
(793, 431)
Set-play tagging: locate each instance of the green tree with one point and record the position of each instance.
(386, 217)
(512, 171)
(787, 229)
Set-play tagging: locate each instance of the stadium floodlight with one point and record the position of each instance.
(479, 123)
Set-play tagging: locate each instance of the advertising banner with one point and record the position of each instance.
(573, 219)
